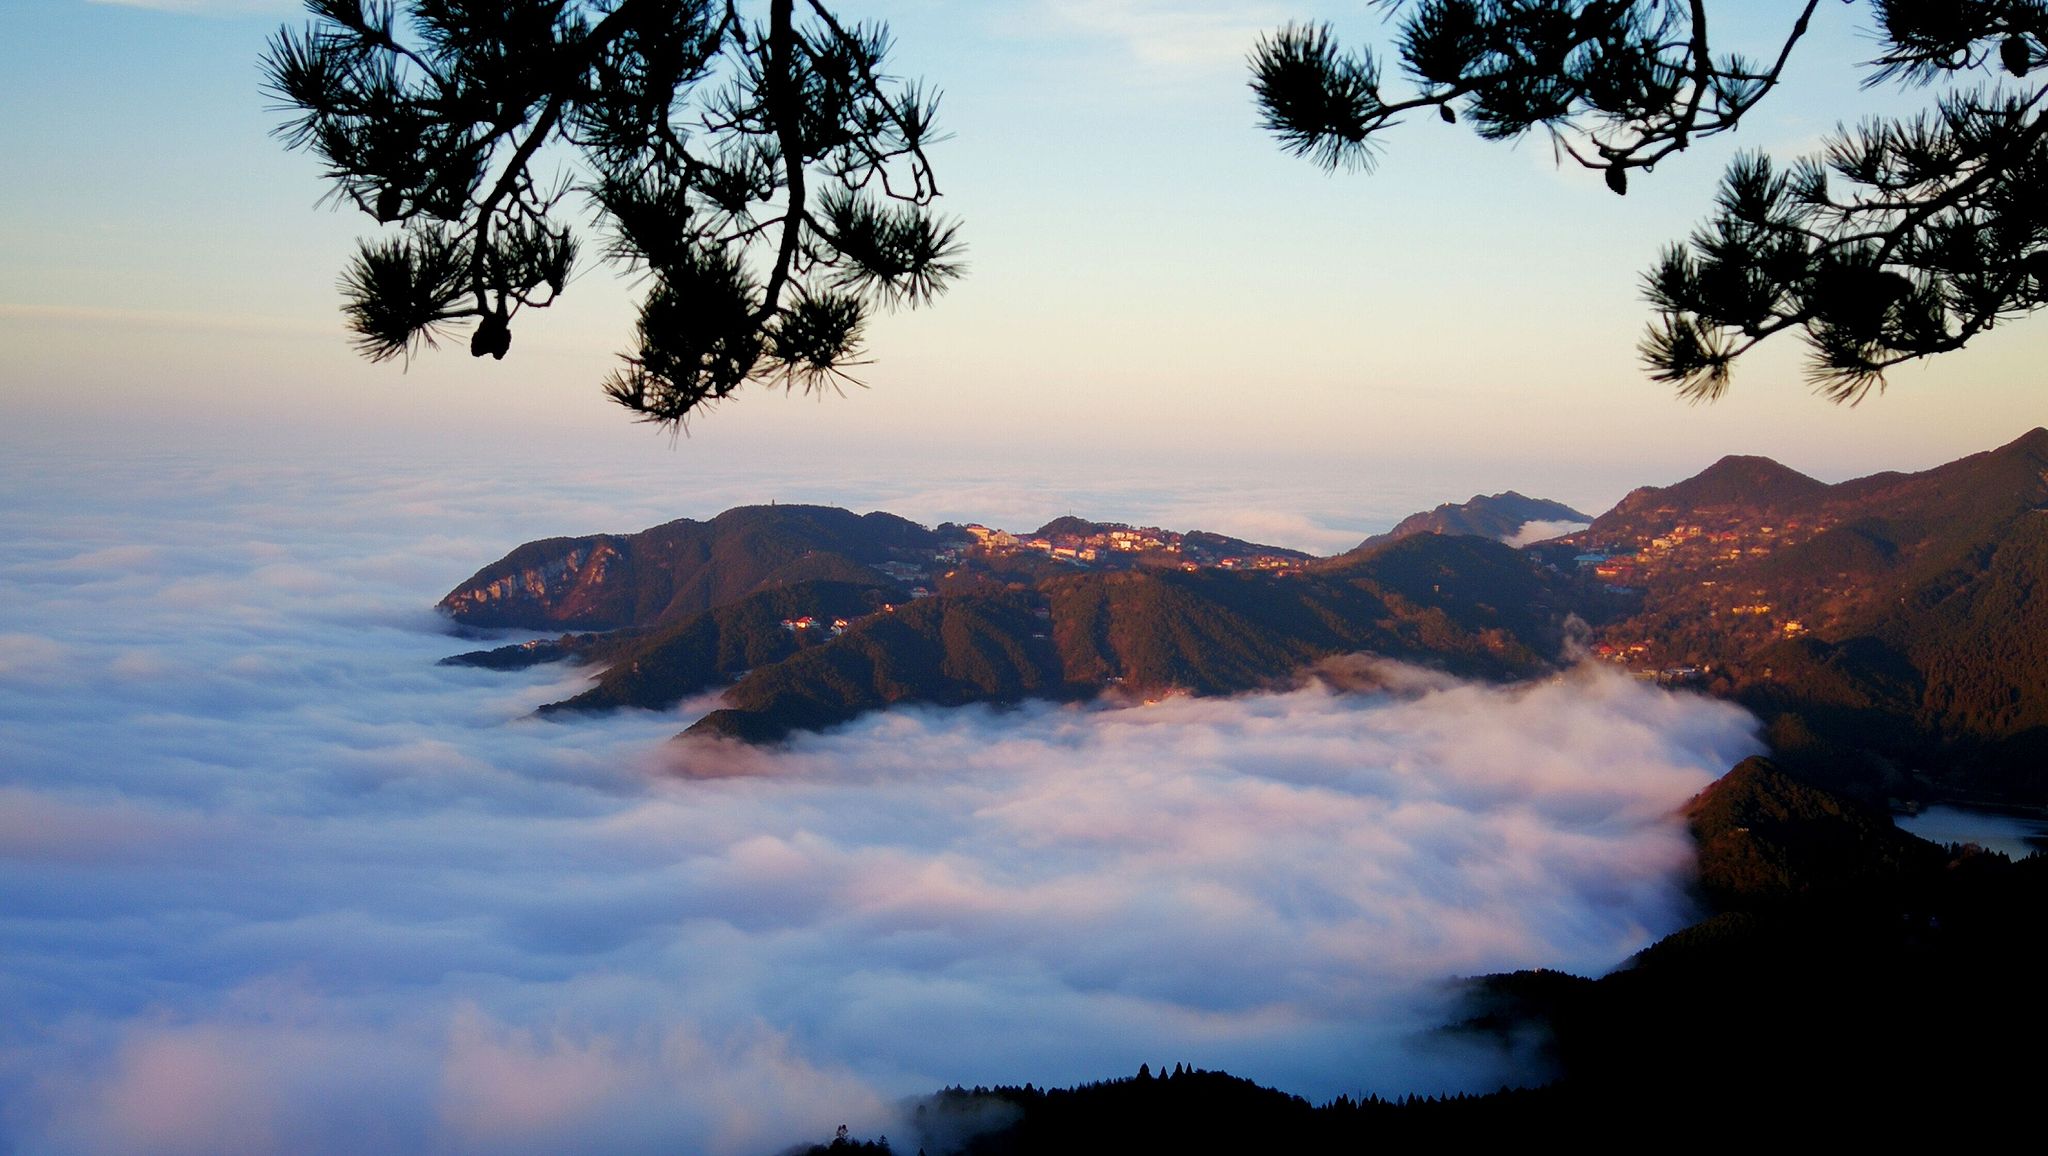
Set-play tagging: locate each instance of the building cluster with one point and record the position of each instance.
(1697, 546)
(1109, 542)
(1700, 547)
(837, 626)
(1709, 552)
(1626, 652)
(1260, 562)
(904, 571)
(1630, 654)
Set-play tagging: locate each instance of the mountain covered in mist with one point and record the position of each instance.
(1003, 625)
(1497, 516)
(1849, 980)
(1891, 630)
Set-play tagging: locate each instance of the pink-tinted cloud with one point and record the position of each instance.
(275, 881)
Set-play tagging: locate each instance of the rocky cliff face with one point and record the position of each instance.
(679, 569)
(564, 588)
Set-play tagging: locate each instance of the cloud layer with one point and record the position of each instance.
(1531, 532)
(271, 880)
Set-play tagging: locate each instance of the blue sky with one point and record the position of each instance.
(1151, 278)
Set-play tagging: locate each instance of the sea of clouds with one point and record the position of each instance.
(271, 880)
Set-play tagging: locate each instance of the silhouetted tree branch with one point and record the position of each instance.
(1903, 239)
(769, 180)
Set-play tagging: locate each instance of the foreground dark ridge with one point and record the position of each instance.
(1852, 982)
(1889, 630)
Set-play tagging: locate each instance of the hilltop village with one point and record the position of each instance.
(1112, 544)
(1885, 629)
(972, 556)
(1701, 573)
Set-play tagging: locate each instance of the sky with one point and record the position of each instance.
(1151, 280)
(270, 879)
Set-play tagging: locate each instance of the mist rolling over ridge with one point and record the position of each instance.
(275, 880)
(1022, 674)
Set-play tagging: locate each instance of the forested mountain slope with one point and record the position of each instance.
(680, 568)
(1892, 631)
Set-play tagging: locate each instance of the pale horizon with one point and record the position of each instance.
(1149, 275)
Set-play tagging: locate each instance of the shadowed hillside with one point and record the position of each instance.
(1890, 630)
(655, 670)
(1850, 982)
(1468, 606)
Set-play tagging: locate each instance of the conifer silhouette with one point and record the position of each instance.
(767, 179)
(1901, 239)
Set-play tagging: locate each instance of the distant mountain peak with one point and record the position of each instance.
(1738, 480)
(2033, 444)
(1762, 477)
(1498, 516)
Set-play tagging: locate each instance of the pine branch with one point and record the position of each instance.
(703, 143)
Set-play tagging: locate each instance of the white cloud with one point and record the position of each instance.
(286, 884)
(1171, 35)
(1539, 531)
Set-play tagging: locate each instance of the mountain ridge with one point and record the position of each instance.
(1891, 630)
(679, 568)
(1498, 516)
